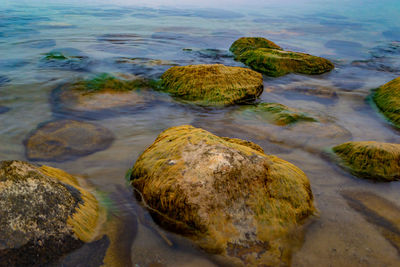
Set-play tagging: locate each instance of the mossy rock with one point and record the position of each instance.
(66, 139)
(225, 194)
(251, 43)
(275, 113)
(212, 84)
(103, 96)
(369, 159)
(44, 214)
(273, 62)
(387, 98)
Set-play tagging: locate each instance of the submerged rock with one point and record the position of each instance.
(275, 113)
(104, 95)
(65, 58)
(4, 80)
(251, 43)
(66, 139)
(44, 214)
(383, 214)
(224, 193)
(387, 98)
(266, 57)
(212, 84)
(4, 109)
(369, 159)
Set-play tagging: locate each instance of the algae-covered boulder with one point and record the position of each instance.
(212, 84)
(225, 194)
(369, 159)
(104, 95)
(273, 62)
(244, 44)
(387, 98)
(266, 57)
(66, 139)
(44, 214)
(275, 113)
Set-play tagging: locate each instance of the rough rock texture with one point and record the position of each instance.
(44, 214)
(225, 194)
(387, 98)
(103, 95)
(369, 159)
(275, 113)
(213, 84)
(66, 139)
(244, 44)
(273, 62)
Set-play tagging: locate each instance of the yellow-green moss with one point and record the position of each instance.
(373, 160)
(387, 98)
(222, 192)
(212, 84)
(273, 62)
(84, 221)
(251, 43)
(275, 113)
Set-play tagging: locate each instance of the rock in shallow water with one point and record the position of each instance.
(387, 98)
(212, 84)
(373, 160)
(102, 96)
(225, 194)
(66, 139)
(44, 214)
(266, 57)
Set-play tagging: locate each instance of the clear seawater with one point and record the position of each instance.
(362, 38)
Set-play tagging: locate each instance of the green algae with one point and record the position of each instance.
(55, 56)
(276, 113)
(107, 82)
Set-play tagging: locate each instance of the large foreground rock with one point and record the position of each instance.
(225, 194)
(369, 159)
(44, 214)
(66, 139)
(387, 98)
(264, 56)
(213, 84)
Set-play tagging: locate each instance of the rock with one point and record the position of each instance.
(102, 96)
(275, 63)
(44, 214)
(251, 43)
(212, 84)
(369, 159)
(66, 58)
(4, 80)
(225, 194)
(66, 139)
(387, 98)
(266, 57)
(383, 214)
(275, 113)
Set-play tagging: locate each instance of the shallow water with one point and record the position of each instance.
(361, 37)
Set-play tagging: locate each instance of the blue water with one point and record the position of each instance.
(362, 38)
